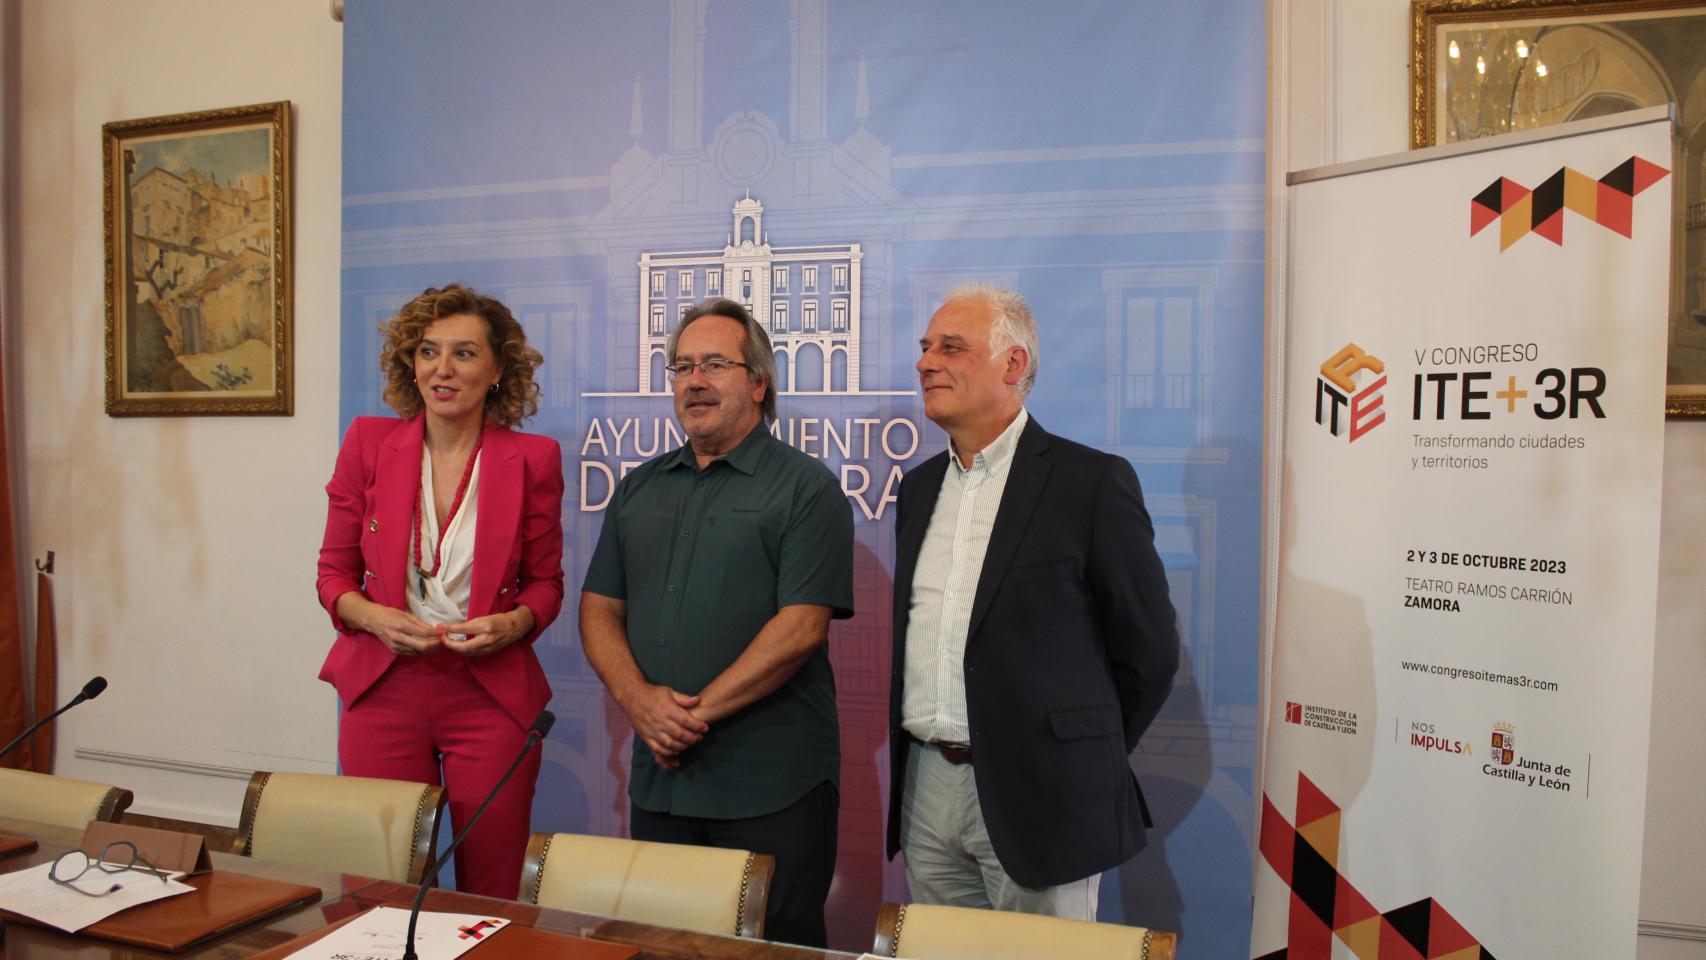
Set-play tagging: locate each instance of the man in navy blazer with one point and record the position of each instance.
(1034, 641)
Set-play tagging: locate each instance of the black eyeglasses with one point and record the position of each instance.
(71, 865)
(714, 367)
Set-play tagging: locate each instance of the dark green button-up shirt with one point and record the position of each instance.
(704, 559)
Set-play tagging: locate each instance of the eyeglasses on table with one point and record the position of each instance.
(73, 865)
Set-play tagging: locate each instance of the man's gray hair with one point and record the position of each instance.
(1011, 325)
(754, 349)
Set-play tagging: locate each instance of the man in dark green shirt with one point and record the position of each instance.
(706, 612)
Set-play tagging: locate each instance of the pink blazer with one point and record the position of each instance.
(518, 550)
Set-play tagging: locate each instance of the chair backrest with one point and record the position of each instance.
(375, 828)
(922, 932)
(60, 801)
(666, 884)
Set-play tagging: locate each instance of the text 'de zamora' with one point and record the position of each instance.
(872, 452)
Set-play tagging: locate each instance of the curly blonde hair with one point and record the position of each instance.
(516, 398)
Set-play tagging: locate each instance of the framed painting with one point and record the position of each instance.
(1484, 67)
(198, 263)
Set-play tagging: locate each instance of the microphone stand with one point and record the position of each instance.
(90, 691)
(541, 726)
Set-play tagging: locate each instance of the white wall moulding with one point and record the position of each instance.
(164, 763)
(1672, 931)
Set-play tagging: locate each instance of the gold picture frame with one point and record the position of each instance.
(1483, 67)
(197, 222)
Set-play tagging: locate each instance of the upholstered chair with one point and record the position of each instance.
(60, 801)
(922, 932)
(664, 884)
(375, 828)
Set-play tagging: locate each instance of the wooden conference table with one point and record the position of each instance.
(343, 896)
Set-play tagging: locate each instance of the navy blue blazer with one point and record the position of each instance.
(1071, 650)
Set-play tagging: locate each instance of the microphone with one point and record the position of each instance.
(90, 691)
(535, 733)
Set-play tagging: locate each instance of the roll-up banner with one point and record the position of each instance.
(1461, 670)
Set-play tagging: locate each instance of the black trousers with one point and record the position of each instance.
(802, 838)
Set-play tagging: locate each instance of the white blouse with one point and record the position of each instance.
(446, 599)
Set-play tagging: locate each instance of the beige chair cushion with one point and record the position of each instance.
(664, 884)
(349, 824)
(60, 801)
(962, 933)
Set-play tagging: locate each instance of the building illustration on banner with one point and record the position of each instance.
(806, 296)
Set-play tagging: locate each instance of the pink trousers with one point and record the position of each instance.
(428, 720)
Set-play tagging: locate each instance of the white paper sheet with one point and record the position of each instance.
(378, 935)
(33, 894)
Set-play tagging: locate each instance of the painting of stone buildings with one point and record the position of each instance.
(196, 227)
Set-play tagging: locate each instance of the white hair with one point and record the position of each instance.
(1011, 325)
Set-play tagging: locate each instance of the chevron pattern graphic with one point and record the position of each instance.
(1324, 904)
(1519, 211)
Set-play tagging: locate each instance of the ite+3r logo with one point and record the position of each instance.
(1342, 404)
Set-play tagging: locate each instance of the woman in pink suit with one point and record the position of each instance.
(442, 563)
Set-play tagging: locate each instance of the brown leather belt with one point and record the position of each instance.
(955, 753)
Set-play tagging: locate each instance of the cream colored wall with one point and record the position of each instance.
(185, 546)
(1342, 93)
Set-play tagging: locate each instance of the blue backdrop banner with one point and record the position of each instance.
(600, 166)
